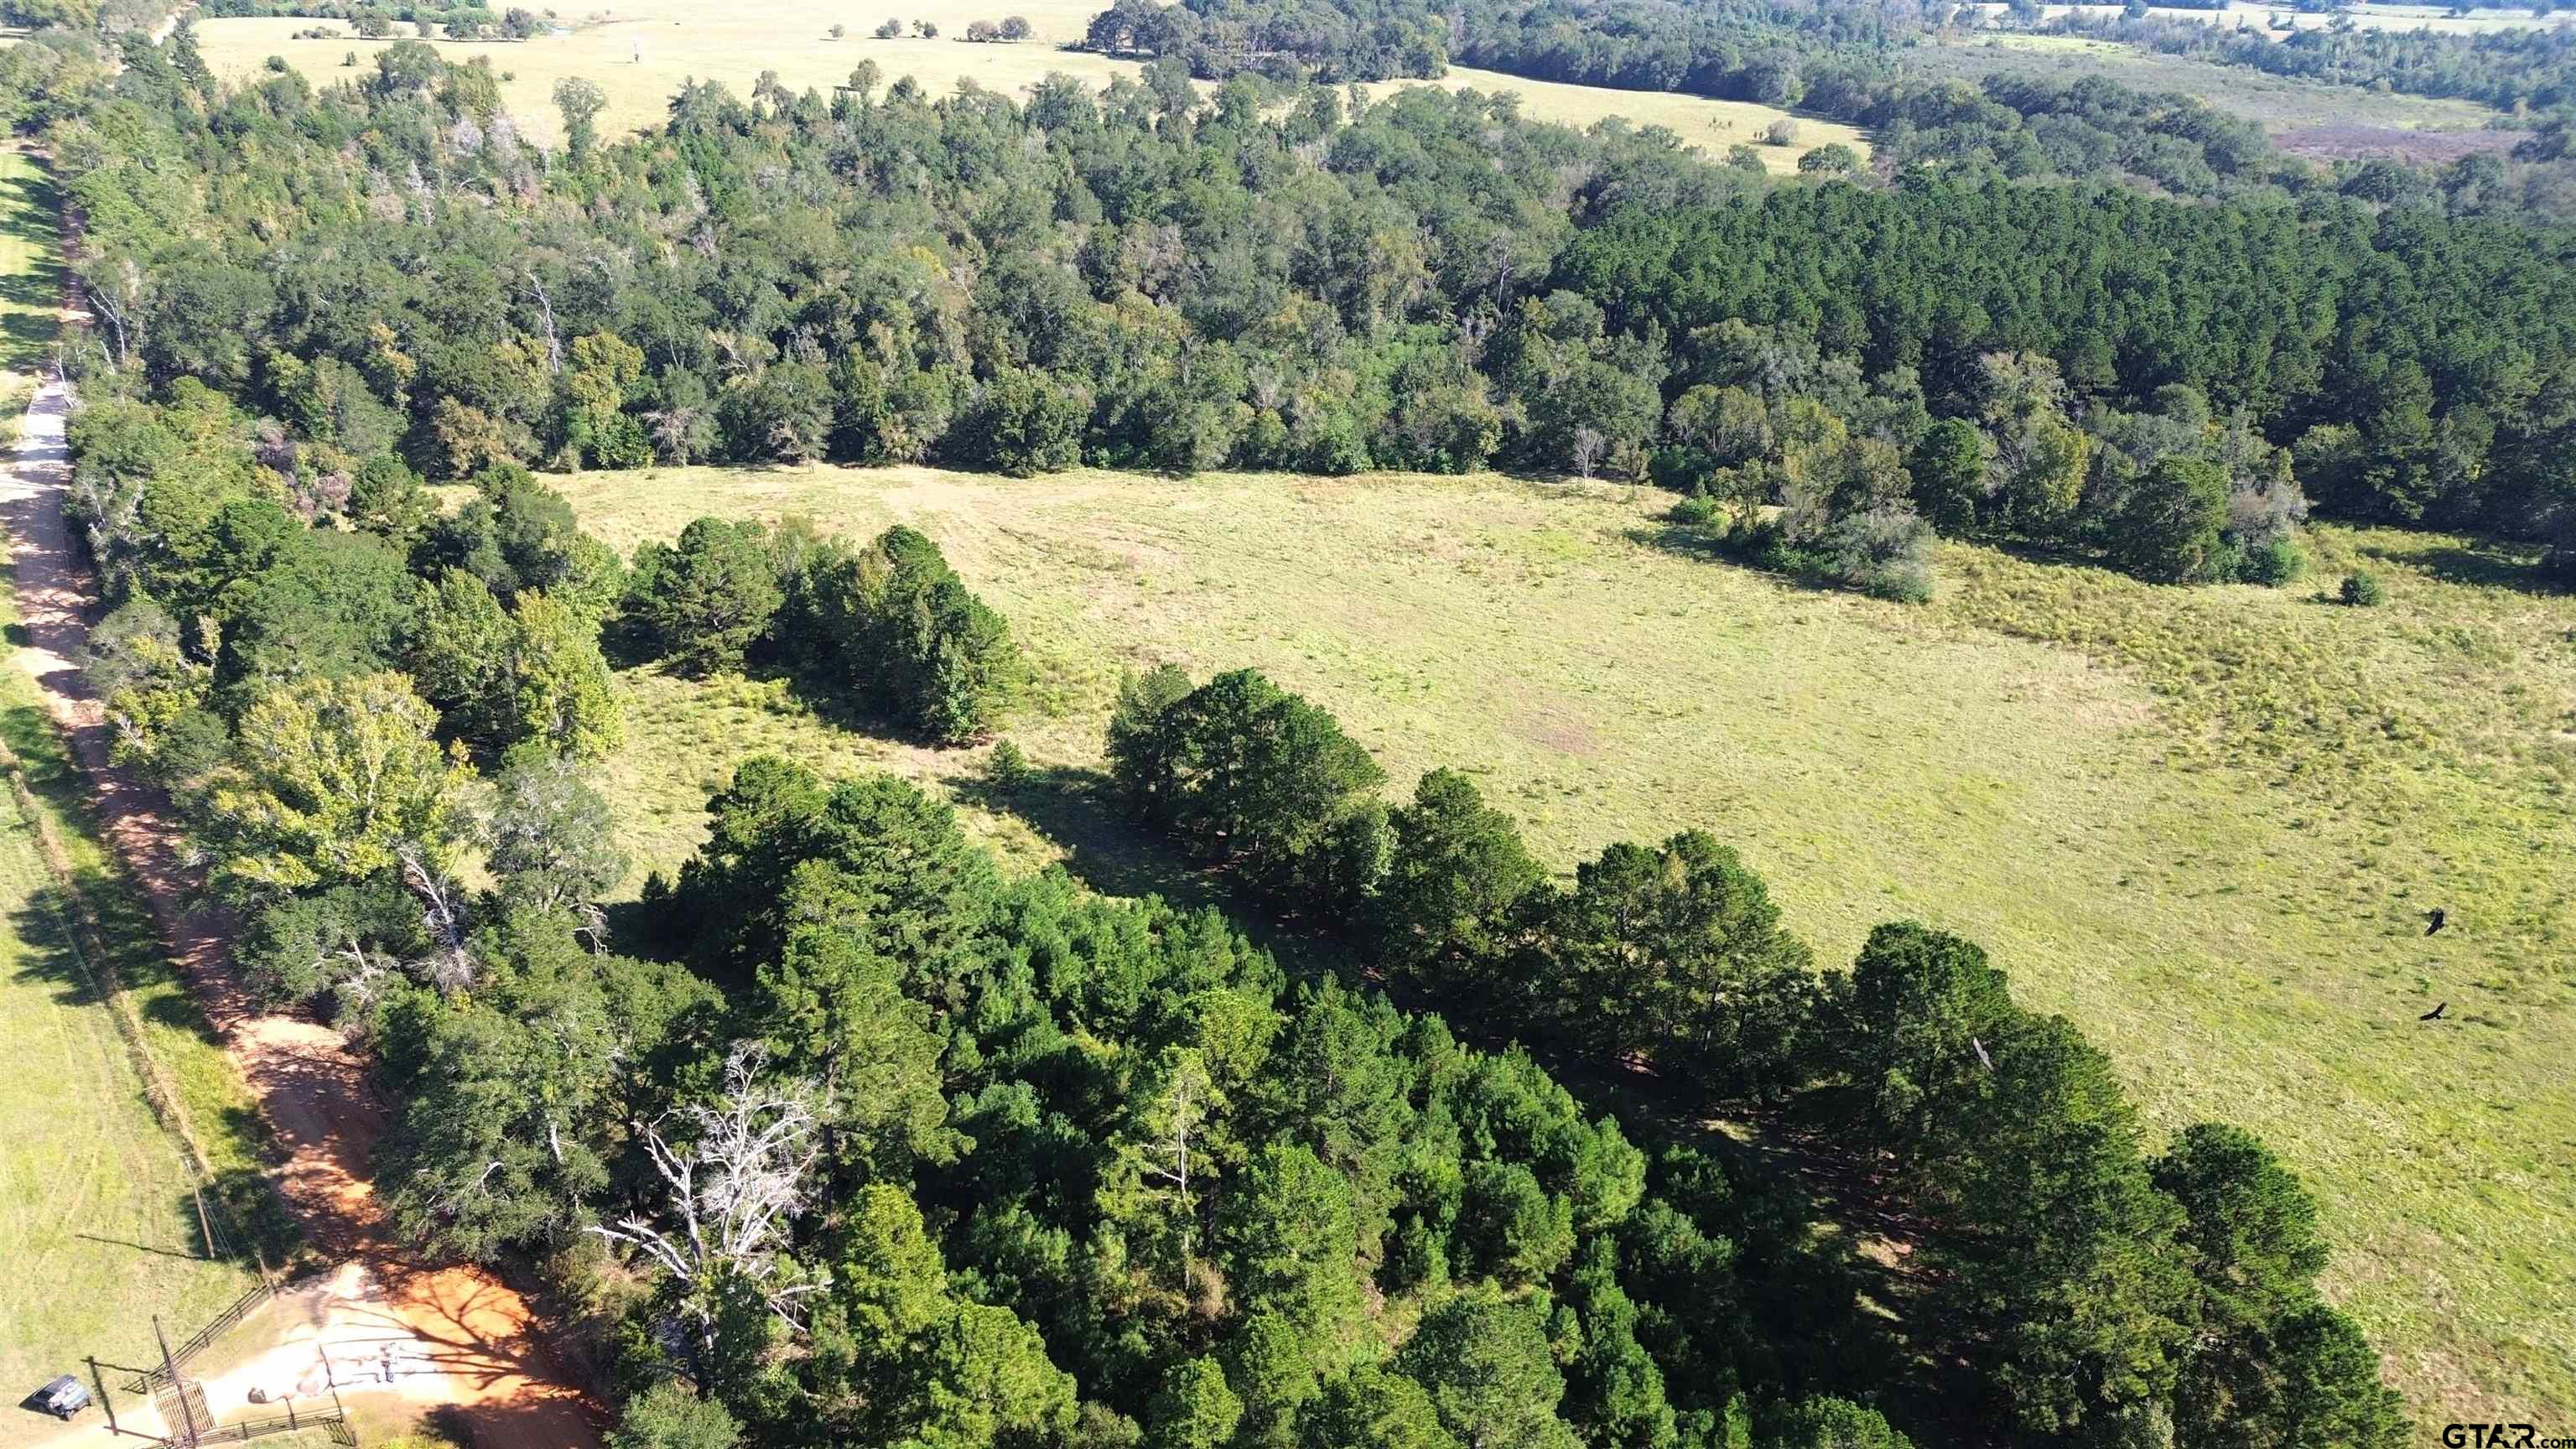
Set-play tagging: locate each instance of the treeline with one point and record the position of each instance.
(1423, 284)
(2078, 1275)
(376, 22)
(1756, 50)
(2410, 365)
(2032, 127)
(1842, 61)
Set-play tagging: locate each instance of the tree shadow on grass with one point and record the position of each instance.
(2485, 564)
(28, 206)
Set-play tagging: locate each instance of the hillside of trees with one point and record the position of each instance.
(845, 1137)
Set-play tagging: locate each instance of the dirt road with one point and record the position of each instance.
(472, 1342)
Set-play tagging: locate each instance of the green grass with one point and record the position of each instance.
(31, 283)
(96, 1227)
(2203, 823)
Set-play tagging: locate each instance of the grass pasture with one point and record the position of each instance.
(97, 1229)
(641, 56)
(31, 282)
(2202, 823)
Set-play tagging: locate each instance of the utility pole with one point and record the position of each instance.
(178, 1389)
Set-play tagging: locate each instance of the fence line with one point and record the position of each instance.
(150, 1379)
(333, 1420)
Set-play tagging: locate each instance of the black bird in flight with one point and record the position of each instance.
(2438, 918)
(2436, 1013)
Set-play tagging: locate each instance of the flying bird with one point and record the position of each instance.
(2435, 1014)
(2438, 918)
(1981, 1053)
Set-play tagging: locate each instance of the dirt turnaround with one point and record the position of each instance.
(454, 1340)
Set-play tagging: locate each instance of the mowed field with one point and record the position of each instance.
(2203, 823)
(641, 55)
(96, 1230)
(31, 282)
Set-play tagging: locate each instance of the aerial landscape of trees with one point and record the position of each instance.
(846, 1134)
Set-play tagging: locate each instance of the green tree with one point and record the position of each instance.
(1193, 1409)
(708, 597)
(1484, 1361)
(834, 1011)
(1829, 1423)
(1288, 1237)
(1376, 1407)
(550, 837)
(1257, 775)
(1678, 952)
(1949, 469)
(670, 1415)
(334, 780)
(459, 654)
(2168, 528)
(562, 695)
(1456, 873)
(581, 101)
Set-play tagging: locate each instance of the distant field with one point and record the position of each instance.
(1711, 125)
(2202, 822)
(2279, 103)
(2369, 17)
(641, 55)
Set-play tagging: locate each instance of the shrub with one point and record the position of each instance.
(1700, 511)
(2361, 589)
(2275, 563)
(1008, 768)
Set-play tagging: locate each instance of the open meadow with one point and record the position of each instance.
(641, 55)
(2204, 823)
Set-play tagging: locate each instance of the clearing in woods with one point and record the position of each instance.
(2203, 823)
(641, 56)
